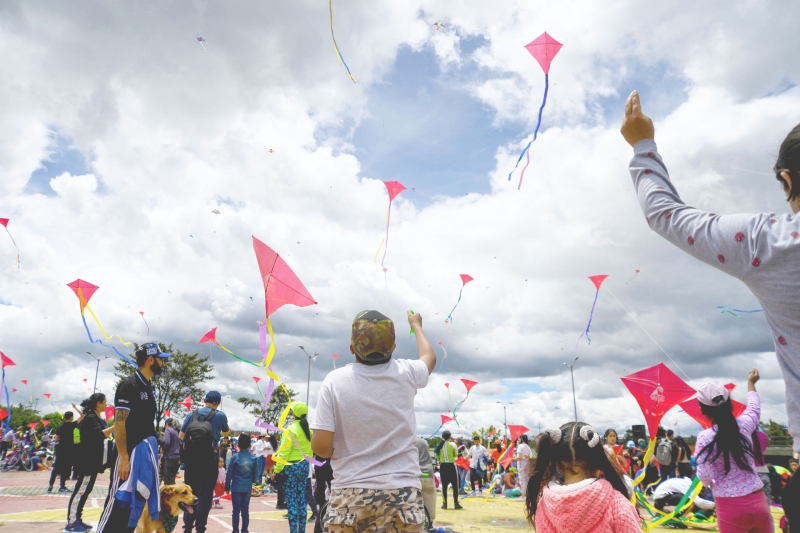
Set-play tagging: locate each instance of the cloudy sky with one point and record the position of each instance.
(120, 133)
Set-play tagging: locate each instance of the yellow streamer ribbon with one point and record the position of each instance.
(85, 305)
(336, 46)
(676, 512)
(375, 259)
(647, 456)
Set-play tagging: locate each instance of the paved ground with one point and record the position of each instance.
(25, 507)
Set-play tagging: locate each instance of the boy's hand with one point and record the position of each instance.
(636, 126)
(414, 320)
(753, 376)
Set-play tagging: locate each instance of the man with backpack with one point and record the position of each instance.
(666, 455)
(200, 434)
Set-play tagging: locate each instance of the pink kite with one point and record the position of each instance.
(657, 390)
(634, 277)
(85, 293)
(85, 380)
(516, 431)
(33, 425)
(6, 361)
(24, 382)
(167, 413)
(109, 412)
(13, 390)
(335, 357)
(256, 379)
(281, 284)
(45, 423)
(446, 419)
(393, 188)
(598, 281)
(3, 414)
(544, 48)
(468, 383)
(4, 223)
(465, 278)
(46, 395)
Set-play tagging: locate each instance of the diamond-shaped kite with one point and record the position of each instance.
(657, 390)
(393, 188)
(281, 284)
(465, 278)
(598, 281)
(84, 291)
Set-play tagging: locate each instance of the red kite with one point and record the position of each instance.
(211, 336)
(657, 390)
(393, 188)
(4, 222)
(468, 383)
(633, 278)
(3, 414)
(33, 425)
(465, 278)
(24, 382)
(46, 395)
(187, 403)
(45, 423)
(543, 49)
(516, 431)
(6, 361)
(598, 281)
(110, 412)
(446, 419)
(256, 379)
(167, 413)
(13, 390)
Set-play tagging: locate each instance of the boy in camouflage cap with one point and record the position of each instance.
(365, 423)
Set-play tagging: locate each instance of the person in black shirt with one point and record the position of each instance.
(134, 421)
(65, 449)
(88, 459)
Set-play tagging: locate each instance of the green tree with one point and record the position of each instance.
(56, 419)
(22, 415)
(182, 375)
(483, 433)
(773, 429)
(276, 405)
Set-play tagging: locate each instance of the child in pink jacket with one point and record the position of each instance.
(583, 502)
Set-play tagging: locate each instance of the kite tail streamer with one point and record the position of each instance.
(84, 306)
(589, 325)
(375, 259)
(450, 316)
(730, 313)
(148, 326)
(386, 239)
(683, 504)
(646, 461)
(101, 343)
(535, 134)
(17, 247)
(750, 312)
(336, 46)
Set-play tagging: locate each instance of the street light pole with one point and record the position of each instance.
(572, 375)
(505, 421)
(308, 380)
(97, 369)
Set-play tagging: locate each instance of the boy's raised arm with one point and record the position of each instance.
(426, 352)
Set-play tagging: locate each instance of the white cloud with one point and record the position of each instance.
(172, 132)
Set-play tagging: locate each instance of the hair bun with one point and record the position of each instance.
(554, 434)
(585, 435)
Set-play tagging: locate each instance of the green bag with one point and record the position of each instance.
(76, 435)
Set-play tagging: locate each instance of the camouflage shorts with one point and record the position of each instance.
(375, 511)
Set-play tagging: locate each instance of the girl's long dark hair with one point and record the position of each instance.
(90, 404)
(683, 446)
(729, 441)
(571, 451)
(758, 453)
(273, 442)
(304, 425)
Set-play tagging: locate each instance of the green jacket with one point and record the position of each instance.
(288, 451)
(448, 453)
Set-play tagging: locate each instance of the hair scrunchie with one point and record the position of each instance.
(554, 434)
(585, 435)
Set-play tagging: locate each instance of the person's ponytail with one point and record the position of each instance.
(728, 441)
(304, 425)
(542, 470)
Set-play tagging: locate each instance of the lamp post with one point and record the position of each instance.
(505, 421)
(572, 375)
(97, 369)
(308, 381)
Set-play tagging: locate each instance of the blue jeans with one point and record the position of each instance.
(241, 504)
(261, 464)
(667, 472)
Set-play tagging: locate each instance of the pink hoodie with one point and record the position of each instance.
(589, 506)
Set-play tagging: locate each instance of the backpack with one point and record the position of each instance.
(664, 452)
(198, 440)
(76, 435)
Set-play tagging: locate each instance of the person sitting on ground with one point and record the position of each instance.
(671, 491)
(239, 480)
(582, 502)
(725, 456)
(365, 423)
(510, 489)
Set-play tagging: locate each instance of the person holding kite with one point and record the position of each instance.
(759, 249)
(583, 502)
(365, 423)
(725, 459)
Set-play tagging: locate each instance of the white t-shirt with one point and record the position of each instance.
(257, 448)
(524, 452)
(370, 410)
(475, 453)
(679, 485)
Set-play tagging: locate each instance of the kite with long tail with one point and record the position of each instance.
(47, 395)
(394, 188)
(544, 48)
(598, 281)
(733, 311)
(445, 420)
(4, 362)
(468, 384)
(336, 46)
(4, 222)
(465, 278)
(84, 291)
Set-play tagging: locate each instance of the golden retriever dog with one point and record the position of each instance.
(175, 499)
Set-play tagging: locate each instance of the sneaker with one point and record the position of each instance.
(444, 506)
(63, 489)
(75, 527)
(84, 524)
(50, 488)
(458, 506)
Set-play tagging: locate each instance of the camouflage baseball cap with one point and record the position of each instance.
(373, 337)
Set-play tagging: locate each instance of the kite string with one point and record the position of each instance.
(648, 334)
(336, 46)
(386, 239)
(15, 246)
(536, 131)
